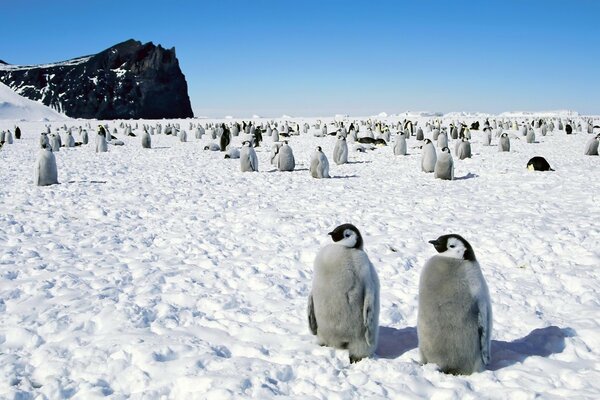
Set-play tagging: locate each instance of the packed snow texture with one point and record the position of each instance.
(168, 273)
(16, 107)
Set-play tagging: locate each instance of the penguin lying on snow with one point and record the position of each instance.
(454, 321)
(368, 140)
(343, 306)
(538, 164)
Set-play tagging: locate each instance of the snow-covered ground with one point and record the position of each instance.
(16, 107)
(168, 273)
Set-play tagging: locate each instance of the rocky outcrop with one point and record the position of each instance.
(128, 80)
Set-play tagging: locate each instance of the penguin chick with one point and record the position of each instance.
(343, 306)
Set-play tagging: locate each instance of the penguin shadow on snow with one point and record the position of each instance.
(541, 342)
(467, 176)
(395, 342)
(359, 162)
(86, 182)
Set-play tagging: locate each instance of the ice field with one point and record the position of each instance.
(167, 273)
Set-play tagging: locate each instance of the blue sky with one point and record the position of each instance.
(318, 58)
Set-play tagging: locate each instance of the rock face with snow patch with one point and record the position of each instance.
(128, 80)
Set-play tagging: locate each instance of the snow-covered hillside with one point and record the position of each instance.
(167, 273)
(15, 107)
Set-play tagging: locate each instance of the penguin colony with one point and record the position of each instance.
(454, 322)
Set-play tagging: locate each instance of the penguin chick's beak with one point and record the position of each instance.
(434, 242)
(330, 233)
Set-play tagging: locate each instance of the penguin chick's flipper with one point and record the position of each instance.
(483, 322)
(312, 320)
(368, 310)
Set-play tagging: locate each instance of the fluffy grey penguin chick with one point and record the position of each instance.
(454, 321)
(343, 306)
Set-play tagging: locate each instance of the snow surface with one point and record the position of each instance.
(16, 107)
(74, 61)
(168, 273)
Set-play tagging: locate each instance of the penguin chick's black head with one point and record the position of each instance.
(349, 235)
(448, 244)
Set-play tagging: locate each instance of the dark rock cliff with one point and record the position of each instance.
(128, 80)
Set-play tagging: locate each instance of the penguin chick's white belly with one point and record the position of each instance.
(450, 295)
(338, 295)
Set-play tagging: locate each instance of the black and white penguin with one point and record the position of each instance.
(285, 158)
(428, 156)
(454, 320)
(225, 138)
(17, 133)
(248, 158)
(45, 172)
(101, 145)
(464, 149)
(538, 164)
(343, 306)
(400, 145)
(504, 144)
(319, 165)
(444, 166)
(146, 140)
(340, 151)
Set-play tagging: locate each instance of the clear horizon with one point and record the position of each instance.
(272, 58)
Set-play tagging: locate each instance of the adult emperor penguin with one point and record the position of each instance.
(225, 138)
(454, 321)
(319, 165)
(428, 156)
(285, 159)
(444, 166)
(487, 136)
(591, 148)
(146, 140)
(46, 172)
(538, 163)
(248, 158)
(400, 145)
(101, 145)
(340, 151)
(343, 306)
(504, 142)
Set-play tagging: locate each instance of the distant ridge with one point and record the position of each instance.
(127, 80)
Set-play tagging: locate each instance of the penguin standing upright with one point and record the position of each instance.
(454, 320)
(319, 165)
(530, 138)
(101, 145)
(487, 136)
(146, 140)
(591, 147)
(400, 145)
(45, 172)
(17, 133)
(442, 140)
(285, 158)
(55, 142)
(428, 156)
(44, 140)
(464, 149)
(225, 138)
(340, 151)
(248, 158)
(444, 166)
(343, 305)
(275, 153)
(504, 142)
